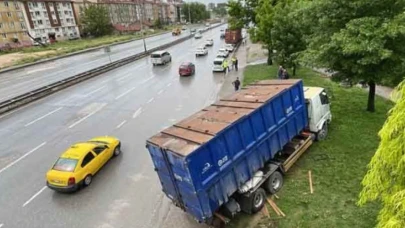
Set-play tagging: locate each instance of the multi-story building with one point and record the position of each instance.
(13, 28)
(50, 19)
(211, 6)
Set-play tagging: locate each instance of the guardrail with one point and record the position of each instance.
(44, 91)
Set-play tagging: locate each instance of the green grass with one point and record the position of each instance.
(66, 47)
(338, 164)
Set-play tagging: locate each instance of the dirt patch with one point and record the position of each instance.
(12, 58)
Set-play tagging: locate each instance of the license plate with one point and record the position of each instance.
(57, 181)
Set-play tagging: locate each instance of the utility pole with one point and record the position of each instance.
(142, 32)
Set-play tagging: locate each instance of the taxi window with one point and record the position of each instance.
(86, 160)
(99, 149)
(65, 164)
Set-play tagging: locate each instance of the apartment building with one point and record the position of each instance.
(51, 20)
(13, 27)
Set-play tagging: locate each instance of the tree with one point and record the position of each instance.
(158, 23)
(362, 40)
(196, 11)
(286, 35)
(264, 19)
(95, 21)
(385, 180)
(220, 11)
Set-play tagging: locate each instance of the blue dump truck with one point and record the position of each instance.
(224, 158)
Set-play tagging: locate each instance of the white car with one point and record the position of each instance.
(160, 58)
(201, 51)
(224, 51)
(197, 36)
(218, 62)
(209, 42)
(229, 47)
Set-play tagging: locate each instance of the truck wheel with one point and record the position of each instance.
(274, 183)
(258, 200)
(323, 133)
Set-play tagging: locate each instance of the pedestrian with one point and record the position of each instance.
(244, 41)
(285, 74)
(280, 72)
(236, 63)
(233, 62)
(236, 84)
(225, 66)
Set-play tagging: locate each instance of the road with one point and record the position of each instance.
(20, 81)
(132, 103)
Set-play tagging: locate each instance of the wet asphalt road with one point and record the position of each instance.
(20, 81)
(132, 103)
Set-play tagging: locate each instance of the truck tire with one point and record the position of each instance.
(323, 133)
(258, 200)
(274, 183)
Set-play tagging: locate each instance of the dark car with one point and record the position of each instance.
(186, 69)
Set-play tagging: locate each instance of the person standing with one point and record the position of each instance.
(280, 72)
(233, 61)
(225, 66)
(285, 74)
(236, 84)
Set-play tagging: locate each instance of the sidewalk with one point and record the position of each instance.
(227, 87)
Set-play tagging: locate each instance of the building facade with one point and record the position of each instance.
(51, 20)
(13, 27)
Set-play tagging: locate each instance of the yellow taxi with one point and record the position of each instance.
(78, 164)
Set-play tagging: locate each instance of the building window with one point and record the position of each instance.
(46, 14)
(58, 6)
(37, 13)
(15, 35)
(35, 4)
(4, 35)
(8, 14)
(55, 21)
(53, 12)
(30, 5)
(40, 22)
(48, 22)
(68, 5)
(34, 22)
(70, 13)
(43, 5)
(11, 24)
(57, 30)
(63, 29)
(6, 4)
(66, 12)
(67, 20)
(20, 15)
(16, 5)
(42, 30)
(23, 25)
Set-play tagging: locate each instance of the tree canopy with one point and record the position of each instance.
(95, 21)
(220, 11)
(195, 12)
(385, 180)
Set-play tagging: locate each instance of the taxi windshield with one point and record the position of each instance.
(65, 164)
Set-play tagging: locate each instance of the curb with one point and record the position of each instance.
(11, 68)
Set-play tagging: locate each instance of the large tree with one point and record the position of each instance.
(195, 12)
(362, 39)
(385, 179)
(95, 21)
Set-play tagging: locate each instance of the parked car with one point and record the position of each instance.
(201, 51)
(184, 28)
(192, 31)
(187, 69)
(78, 164)
(218, 62)
(224, 52)
(198, 35)
(160, 58)
(229, 47)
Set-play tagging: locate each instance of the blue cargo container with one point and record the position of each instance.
(203, 160)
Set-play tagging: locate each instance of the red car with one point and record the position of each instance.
(186, 69)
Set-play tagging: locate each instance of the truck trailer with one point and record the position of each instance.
(223, 159)
(233, 36)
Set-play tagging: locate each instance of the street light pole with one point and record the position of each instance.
(142, 32)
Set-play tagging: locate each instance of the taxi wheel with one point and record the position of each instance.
(87, 180)
(117, 151)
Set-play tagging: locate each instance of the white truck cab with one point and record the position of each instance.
(318, 108)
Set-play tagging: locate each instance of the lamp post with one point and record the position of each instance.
(142, 32)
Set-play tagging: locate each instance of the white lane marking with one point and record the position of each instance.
(90, 114)
(123, 77)
(125, 93)
(169, 84)
(122, 123)
(94, 91)
(37, 70)
(137, 113)
(22, 157)
(33, 197)
(146, 80)
(40, 118)
(150, 100)
(1, 225)
(104, 81)
(160, 92)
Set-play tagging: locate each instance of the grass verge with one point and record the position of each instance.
(66, 47)
(338, 164)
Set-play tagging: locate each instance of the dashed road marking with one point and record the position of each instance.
(84, 118)
(160, 92)
(94, 91)
(122, 123)
(151, 100)
(40, 118)
(125, 93)
(33, 197)
(137, 113)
